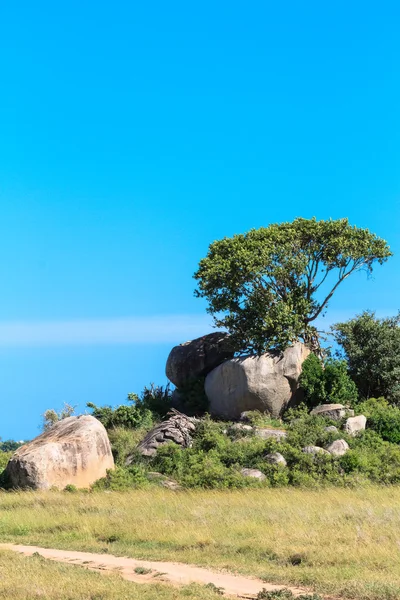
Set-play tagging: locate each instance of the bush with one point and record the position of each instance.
(372, 349)
(122, 478)
(382, 418)
(51, 416)
(327, 382)
(153, 404)
(124, 442)
(4, 458)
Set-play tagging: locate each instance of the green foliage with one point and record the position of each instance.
(4, 458)
(72, 489)
(267, 287)
(192, 398)
(122, 478)
(372, 349)
(327, 382)
(10, 445)
(51, 416)
(216, 458)
(258, 419)
(124, 442)
(285, 594)
(382, 418)
(153, 404)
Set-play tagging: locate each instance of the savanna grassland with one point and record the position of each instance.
(342, 542)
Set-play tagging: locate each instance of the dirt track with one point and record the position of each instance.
(168, 572)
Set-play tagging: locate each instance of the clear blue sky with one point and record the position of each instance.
(135, 133)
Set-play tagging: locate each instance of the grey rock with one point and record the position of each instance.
(196, 358)
(266, 433)
(255, 473)
(268, 383)
(338, 448)
(355, 424)
(336, 412)
(74, 451)
(332, 429)
(241, 427)
(314, 450)
(178, 429)
(276, 458)
(244, 416)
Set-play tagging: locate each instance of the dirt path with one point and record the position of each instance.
(168, 572)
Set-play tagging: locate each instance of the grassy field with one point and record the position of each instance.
(336, 541)
(35, 578)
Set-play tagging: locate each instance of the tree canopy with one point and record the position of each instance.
(372, 349)
(268, 286)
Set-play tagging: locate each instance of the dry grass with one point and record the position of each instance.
(347, 542)
(38, 579)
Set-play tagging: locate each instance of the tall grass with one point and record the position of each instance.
(338, 541)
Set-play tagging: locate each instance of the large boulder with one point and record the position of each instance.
(191, 360)
(354, 425)
(178, 429)
(338, 447)
(75, 451)
(268, 383)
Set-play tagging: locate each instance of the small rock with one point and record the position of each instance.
(338, 448)
(355, 424)
(314, 450)
(244, 416)
(331, 429)
(266, 433)
(276, 458)
(170, 484)
(255, 473)
(241, 427)
(332, 411)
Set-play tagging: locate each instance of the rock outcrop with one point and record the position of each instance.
(268, 383)
(178, 429)
(336, 412)
(191, 360)
(338, 448)
(276, 458)
(355, 424)
(314, 450)
(75, 451)
(254, 473)
(265, 433)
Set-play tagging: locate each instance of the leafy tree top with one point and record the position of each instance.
(268, 286)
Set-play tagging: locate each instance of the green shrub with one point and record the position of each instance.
(4, 458)
(152, 405)
(71, 488)
(327, 382)
(122, 478)
(124, 442)
(382, 418)
(192, 399)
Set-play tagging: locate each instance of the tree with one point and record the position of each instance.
(372, 349)
(327, 381)
(51, 416)
(268, 286)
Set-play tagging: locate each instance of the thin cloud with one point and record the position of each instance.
(130, 330)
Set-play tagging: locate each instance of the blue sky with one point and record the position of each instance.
(133, 134)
